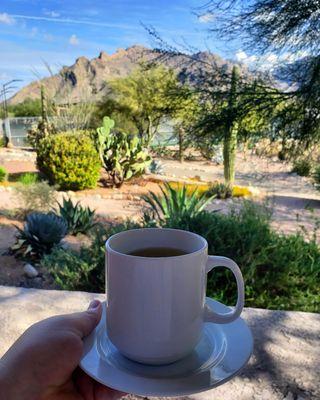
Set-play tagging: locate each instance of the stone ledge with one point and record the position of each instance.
(285, 363)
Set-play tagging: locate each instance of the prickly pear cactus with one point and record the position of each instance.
(104, 137)
(122, 155)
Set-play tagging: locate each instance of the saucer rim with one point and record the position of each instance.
(181, 392)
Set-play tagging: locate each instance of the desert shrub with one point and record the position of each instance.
(79, 219)
(27, 108)
(267, 148)
(41, 232)
(84, 270)
(174, 204)
(316, 176)
(163, 151)
(3, 174)
(220, 191)
(69, 160)
(302, 167)
(70, 272)
(40, 130)
(39, 196)
(280, 272)
(216, 189)
(155, 167)
(28, 178)
(209, 149)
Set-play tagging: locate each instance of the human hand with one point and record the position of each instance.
(43, 363)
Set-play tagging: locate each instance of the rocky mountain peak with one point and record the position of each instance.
(92, 76)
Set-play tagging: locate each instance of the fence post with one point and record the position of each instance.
(7, 130)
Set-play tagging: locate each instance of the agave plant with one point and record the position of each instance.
(174, 205)
(79, 219)
(220, 190)
(41, 232)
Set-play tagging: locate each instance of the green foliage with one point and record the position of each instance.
(39, 196)
(2, 141)
(220, 191)
(40, 130)
(316, 176)
(3, 174)
(27, 108)
(122, 155)
(142, 98)
(163, 151)
(302, 167)
(156, 167)
(28, 178)
(69, 160)
(280, 272)
(174, 204)
(84, 271)
(40, 233)
(79, 219)
(207, 148)
(69, 271)
(118, 113)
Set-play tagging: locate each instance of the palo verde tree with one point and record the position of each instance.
(234, 111)
(141, 99)
(229, 98)
(185, 108)
(290, 30)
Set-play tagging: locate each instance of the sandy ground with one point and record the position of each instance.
(294, 199)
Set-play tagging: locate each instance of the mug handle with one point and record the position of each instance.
(211, 316)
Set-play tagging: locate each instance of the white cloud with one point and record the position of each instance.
(133, 27)
(73, 40)
(271, 58)
(268, 61)
(52, 14)
(6, 19)
(243, 57)
(207, 17)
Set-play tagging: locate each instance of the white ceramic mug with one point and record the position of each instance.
(156, 306)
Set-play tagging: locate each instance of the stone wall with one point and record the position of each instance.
(285, 363)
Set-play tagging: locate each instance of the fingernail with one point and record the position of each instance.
(94, 305)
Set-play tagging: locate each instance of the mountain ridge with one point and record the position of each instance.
(87, 80)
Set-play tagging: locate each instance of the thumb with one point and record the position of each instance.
(85, 322)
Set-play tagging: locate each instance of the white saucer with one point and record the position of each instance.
(222, 352)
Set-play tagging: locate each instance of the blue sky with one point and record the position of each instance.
(59, 31)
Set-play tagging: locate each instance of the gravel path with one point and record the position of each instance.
(294, 199)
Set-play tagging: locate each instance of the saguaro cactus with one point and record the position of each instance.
(231, 131)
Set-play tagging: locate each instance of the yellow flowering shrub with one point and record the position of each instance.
(237, 191)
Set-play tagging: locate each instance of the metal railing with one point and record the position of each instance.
(15, 129)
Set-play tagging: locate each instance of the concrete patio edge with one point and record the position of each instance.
(285, 363)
